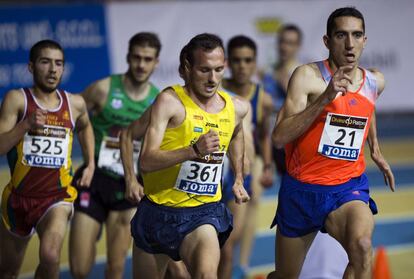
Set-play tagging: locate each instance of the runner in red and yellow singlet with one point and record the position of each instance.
(36, 132)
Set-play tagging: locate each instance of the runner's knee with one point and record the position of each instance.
(207, 274)
(49, 256)
(360, 252)
(115, 267)
(79, 272)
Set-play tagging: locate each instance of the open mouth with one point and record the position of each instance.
(51, 79)
(210, 88)
(350, 56)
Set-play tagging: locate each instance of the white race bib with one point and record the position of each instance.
(201, 176)
(342, 136)
(110, 155)
(46, 147)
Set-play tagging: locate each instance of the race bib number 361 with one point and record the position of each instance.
(342, 136)
(201, 176)
(46, 147)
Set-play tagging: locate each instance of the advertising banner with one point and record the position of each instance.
(80, 29)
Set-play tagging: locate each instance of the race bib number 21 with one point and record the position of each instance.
(342, 137)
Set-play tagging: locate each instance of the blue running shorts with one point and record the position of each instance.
(159, 229)
(303, 208)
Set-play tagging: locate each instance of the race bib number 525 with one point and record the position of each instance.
(342, 137)
(201, 176)
(46, 147)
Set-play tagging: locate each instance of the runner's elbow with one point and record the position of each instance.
(279, 141)
(145, 165)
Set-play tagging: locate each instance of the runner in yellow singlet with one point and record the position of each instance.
(191, 129)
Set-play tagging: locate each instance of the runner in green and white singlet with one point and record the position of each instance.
(119, 111)
(113, 102)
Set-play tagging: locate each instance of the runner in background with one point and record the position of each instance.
(113, 102)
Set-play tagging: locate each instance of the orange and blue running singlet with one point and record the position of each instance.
(331, 151)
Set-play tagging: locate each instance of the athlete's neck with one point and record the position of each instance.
(211, 104)
(356, 74)
(135, 90)
(241, 89)
(47, 99)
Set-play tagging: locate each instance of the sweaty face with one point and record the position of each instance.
(207, 71)
(48, 69)
(347, 41)
(142, 61)
(288, 45)
(242, 63)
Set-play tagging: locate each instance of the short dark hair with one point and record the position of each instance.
(145, 39)
(204, 41)
(294, 28)
(40, 45)
(183, 55)
(346, 11)
(241, 41)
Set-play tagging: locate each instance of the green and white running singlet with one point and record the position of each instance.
(119, 111)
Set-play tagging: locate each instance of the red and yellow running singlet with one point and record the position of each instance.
(40, 164)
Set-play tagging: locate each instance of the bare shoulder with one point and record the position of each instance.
(241, 107)
(102, 86)
(77, 104)
(167, 103)
(379, 76)
(96, 93)
(15, 95)
(307, 71)
(168, 97)
(12, 108)
(13, 101)
(305, 80)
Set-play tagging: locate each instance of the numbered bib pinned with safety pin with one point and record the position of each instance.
(342, 136)
(201, 176)
(110, 155)
(46, 147)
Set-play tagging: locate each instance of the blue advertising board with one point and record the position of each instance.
(79, 28)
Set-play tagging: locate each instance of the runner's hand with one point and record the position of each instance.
(240, 194)
(134, 191)
(267, 178)
(87, 175)
(208, 143)
(384, 168)
(339, 83)
(36, 119)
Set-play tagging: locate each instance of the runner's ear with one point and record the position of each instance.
(187, 66)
